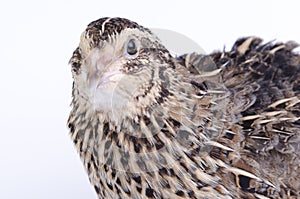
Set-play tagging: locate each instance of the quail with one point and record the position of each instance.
(148, 124)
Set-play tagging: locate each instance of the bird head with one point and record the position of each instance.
(135, 107)
(119, 67)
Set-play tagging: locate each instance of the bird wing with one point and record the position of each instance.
(264, 102)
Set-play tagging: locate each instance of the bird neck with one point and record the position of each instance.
(152, 136)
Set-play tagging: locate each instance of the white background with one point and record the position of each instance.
(37, 158)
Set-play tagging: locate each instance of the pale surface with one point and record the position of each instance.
(37, 39)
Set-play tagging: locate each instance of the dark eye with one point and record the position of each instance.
(132, 47)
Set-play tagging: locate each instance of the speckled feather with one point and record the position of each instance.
(224, 125)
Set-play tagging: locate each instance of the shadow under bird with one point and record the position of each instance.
(148, 124)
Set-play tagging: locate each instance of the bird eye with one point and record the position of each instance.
(132, 48)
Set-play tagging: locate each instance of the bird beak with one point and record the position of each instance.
(102, 67)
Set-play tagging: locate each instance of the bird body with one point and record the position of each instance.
(150, 125)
